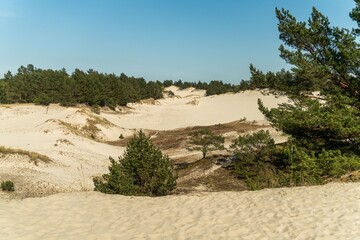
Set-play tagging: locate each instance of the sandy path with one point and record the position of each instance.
(320, 212)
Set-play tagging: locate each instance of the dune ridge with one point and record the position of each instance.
(78, 143)
(320, 212)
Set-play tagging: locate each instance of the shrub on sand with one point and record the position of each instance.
(8, 186)
(142, 170)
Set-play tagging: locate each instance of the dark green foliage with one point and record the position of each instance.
(258, 79)
(253, 152)
(283, 81)
(325, 135)
(42, 99)
(310, 167)
(3, 93)
(218, 87)
(321, 53)
(142, 170)
(8, 186)
(263, 164)
(244, 85)
(315, 126)
(205, 141)
(168, 83)
(213, 88)
(33, 85)
(334, 164)
(328, 57)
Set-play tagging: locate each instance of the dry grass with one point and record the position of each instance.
(90, 130)
(204, 175)
(353, 176)
(177, 138)
(64, 141)
(149, 101)
(34, 157)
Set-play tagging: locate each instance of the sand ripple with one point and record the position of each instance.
(321, 212)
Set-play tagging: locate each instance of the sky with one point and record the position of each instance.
(190, 40)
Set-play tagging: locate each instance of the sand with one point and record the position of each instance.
(64, 135)
(321, 212)
(177, 112)
(75, 212)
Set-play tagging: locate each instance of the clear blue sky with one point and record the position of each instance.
(156, 39)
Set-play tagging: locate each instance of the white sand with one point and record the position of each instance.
(76, 158)
(321, 212)
(173, 113)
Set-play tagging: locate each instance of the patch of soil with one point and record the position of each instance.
(205, 175)
(177, 138)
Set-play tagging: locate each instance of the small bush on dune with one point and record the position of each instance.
(262, 164)
(142, 170)
(8, 186)
(205, 140)
(253, 152)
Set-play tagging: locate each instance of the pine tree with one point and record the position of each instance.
(329, 57)
(142, 170)
(205, 141)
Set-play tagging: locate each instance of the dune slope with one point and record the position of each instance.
(320, 212)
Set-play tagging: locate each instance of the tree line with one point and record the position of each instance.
(44, 86)
(34, 85)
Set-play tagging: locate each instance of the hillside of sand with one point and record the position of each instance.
(79, 141)
(47, 150)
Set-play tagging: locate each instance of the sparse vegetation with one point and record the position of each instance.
(204, 174)
(95, 109)
(8, 186)
(205, 140)
(262, 164)
(90, 130)
(253, 151)
(64, 141)
(34, 157)
(142, 170)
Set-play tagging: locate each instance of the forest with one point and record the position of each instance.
(44, 86)
(33, 85)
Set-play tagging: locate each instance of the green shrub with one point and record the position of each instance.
(142, 170)
(205, 140)
(254, 153)
(8, 186)
(43, 99)
(302, 167)
(121, 136)
(334, 164)
(262, 164)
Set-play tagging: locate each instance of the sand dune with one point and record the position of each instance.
(321, 212)
(75, 139)
(173, 113)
